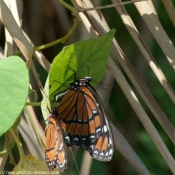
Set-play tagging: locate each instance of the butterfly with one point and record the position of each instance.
(55, 155)
(84, 120)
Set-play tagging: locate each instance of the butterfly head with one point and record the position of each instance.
(80, 82)
(75, 85)
(88, 79)
(55, 111)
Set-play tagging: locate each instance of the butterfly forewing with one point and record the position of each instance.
(54, 154)
(79, 111)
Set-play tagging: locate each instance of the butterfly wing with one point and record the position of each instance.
(81, 117)
(85, 121)
(103, 148)
(54, 154)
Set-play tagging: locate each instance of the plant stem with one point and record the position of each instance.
(61, 40)
(72, 9)
(33, 103)
(21, 154)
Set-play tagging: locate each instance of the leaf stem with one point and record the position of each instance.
(70, 32)
(110, 6)
(61, 40)
(6, 150)
(7, 141)
(72, 9)
(33, 103)
(21, 154)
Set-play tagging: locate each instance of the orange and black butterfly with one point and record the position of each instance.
(55, 155)
(84, 120)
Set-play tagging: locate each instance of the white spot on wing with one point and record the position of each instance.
(84, 139)
(75, 139)
(67, 138)
(92, 136)
(95, 153)
(110, 152)
(105, 128)
(98, 130)
(94, 112)
(102, 154)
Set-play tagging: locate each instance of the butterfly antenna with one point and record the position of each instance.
(44, 120)
(48, 108)
(49, 111)
(75, 161)
(43, 92)
(98, 84)
(75, 76)
(61, 83)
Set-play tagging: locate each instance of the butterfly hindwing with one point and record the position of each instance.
(103, 148)
(55, 154)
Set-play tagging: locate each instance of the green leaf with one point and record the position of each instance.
(86, 58)
(14, 85)
(45, 103)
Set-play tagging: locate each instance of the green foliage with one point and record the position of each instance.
(91, 54)
(45, 103)
(14, 83)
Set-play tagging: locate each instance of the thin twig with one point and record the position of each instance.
(19, 146)
(61, 40)
(111, 5)
(33, 103)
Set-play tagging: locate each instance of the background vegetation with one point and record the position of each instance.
(141, 66)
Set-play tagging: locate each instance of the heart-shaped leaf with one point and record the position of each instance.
(14, 84)
(91, 54)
